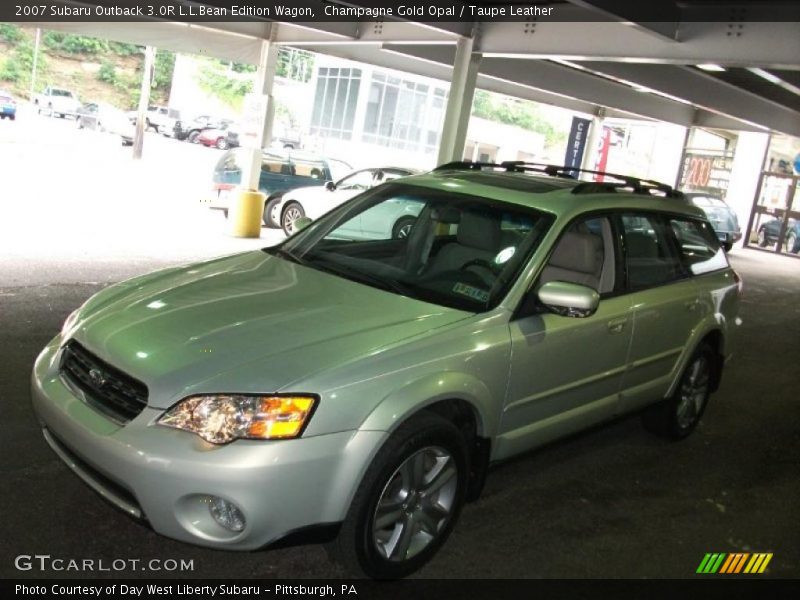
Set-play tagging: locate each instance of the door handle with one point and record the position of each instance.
(617, 325)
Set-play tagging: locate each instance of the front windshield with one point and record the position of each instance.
(451, 249)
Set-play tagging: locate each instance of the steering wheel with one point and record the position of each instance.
(484, 264)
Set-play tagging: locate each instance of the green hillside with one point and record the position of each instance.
(94, 68)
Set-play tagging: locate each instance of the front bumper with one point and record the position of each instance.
(165, 476)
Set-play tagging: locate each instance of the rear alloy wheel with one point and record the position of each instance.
(791, 241)
(677, 416)
(290, 214)
(762, 237)
(222, 143)
(402, 227)
(408, 502)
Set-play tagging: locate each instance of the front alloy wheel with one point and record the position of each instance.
(408, 501)
(416, 504)
(293, 212)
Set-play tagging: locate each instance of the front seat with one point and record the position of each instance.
(578, 258)
(478, 237)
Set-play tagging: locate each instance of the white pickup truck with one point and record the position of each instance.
(57, 102)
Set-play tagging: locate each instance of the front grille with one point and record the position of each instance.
(108, 389)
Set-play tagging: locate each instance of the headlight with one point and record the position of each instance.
(222, 418)
(69, 322)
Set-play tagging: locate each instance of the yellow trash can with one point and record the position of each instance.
(247, 210)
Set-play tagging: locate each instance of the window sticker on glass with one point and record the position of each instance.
(472, 292)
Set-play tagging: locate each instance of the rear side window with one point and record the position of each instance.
(649, 256)
(309, 168)
(699, 246)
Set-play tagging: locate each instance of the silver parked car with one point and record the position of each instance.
(363, 385)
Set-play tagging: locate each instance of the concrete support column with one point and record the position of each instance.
(459, 102)
(265, 79)
(144, 100)
(748, 162)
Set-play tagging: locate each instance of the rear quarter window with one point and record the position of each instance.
(699, 247)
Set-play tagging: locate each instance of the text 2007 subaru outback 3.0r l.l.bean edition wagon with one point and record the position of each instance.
(364, 385)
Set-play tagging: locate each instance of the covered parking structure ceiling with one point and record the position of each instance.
(597, 58)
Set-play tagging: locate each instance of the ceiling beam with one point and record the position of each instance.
(663, 17)
(706, 91)
(745, 44)
(570, 83)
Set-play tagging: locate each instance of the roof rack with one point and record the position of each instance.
(637, 185)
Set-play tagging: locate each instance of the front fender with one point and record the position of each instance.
(399, 405)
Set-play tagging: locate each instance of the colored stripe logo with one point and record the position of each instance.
(734, 563)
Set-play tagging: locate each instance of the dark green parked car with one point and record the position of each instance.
(281, 171)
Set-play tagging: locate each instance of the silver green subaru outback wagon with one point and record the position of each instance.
(361, 385)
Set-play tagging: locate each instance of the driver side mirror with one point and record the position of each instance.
(330, 186)
(569, 299)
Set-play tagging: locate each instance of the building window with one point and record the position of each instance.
(403, 114)
(335, 102)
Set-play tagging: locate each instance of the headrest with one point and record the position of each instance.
(581, 252)
(445, 214)
(479, 231)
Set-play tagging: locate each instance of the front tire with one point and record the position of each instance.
(193, 137)
(222, 144)
(677, 416)
(762, 237)
(407, 503)
(291, 213)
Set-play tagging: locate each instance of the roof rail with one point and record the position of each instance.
(638, 185)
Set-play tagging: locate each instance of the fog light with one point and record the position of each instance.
(226, 514)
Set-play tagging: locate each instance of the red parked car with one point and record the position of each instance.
(221, 137)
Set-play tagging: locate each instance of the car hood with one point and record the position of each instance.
(199, 328)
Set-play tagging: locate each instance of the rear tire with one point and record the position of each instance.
(762, 237)
(268, 206)
(402, 227)
(677, 416)
(408, 501)
(791, 241)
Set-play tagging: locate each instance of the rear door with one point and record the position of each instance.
(665, 304)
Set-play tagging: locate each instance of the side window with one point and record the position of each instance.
(584, 254)
(357, 181)
(271, 164)
(699, 246)
(310, 168)
(649, 257)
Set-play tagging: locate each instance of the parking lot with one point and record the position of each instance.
(78, 213)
